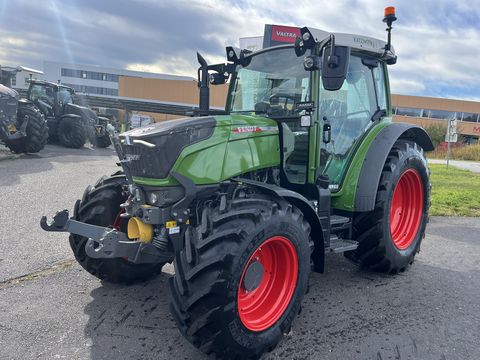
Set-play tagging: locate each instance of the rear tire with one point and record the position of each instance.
(71, 133)
(101, 206)
(390, 236)
(210, 302)
(37, 131)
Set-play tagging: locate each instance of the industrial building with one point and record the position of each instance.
(426, 111)
(96, 80)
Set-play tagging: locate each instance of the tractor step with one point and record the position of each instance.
(338, 245)
(338, 223)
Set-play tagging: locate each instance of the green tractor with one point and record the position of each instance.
(23, 128)
(306, 161)
(69, 124)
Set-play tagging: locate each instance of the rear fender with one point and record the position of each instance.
(377, 155)
(24, 101)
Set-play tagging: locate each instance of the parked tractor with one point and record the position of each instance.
(22, 126)
(68, 123)
(305, 162)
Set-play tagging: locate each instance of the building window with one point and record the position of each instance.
(13, 81)
(409, 112)
(439, 114)
(470, 117)
(92, 75)
(93, 90)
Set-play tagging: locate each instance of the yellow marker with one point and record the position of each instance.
(137, 229)
(170, 224)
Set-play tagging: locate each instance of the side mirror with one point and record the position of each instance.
(335, 66)
(218, 79)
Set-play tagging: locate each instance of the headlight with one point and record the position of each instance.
(138, 195)
(153, 197)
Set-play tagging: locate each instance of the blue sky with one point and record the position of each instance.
(437, 42)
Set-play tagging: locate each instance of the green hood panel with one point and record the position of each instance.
(238, 144)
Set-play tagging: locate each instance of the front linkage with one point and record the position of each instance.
(105, 242)
(154, 233)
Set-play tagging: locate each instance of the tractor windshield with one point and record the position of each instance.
(271, 83)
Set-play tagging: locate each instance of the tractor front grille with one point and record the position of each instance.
(156, 162)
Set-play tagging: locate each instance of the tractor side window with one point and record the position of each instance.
(379, 77)
(65, 96)
(349, 111)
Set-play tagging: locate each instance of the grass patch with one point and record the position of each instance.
(455, 192)
(467, 152)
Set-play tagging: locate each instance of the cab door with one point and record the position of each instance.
(350, 112)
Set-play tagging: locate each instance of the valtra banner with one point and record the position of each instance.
(278, 34)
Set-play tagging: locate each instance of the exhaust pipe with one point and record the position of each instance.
(204, 101)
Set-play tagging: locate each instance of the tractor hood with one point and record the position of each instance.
(82, 111)
(7, 92)
(198, 147)
(8, 108)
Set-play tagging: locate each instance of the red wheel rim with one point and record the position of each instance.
(406, 209)
(261, 307)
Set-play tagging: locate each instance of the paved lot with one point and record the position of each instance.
(465, 165)
(50, 308)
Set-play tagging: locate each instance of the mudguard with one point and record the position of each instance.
(377, 155)
(308, 211)
(74, 116)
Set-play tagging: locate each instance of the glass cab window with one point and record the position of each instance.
(65, 96)
(270, 85)
(349, 111)
(42, 93)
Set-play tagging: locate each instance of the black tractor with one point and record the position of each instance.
(69, 124)
(23, 128)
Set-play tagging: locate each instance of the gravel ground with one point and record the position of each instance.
(50, 308)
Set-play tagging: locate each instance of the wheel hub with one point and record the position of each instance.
(253, 276)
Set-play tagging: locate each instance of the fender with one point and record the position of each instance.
(317, 230)
(24, 101)
(377, 155)
(74, 116)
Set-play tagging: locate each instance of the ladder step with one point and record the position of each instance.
(341, 245)
(337, 220)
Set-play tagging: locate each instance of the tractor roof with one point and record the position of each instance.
(56, 85)
(281, 35)
(357, 42)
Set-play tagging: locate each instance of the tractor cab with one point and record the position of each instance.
(49, 97)
(322, 115)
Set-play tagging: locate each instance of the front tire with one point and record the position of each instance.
(37, 131)
(240, 280)
(101, 206)
(101, 141)
(390, 236)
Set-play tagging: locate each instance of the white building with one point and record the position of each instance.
(17, 77)
(93, 79)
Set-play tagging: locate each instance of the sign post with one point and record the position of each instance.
(451, 136)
